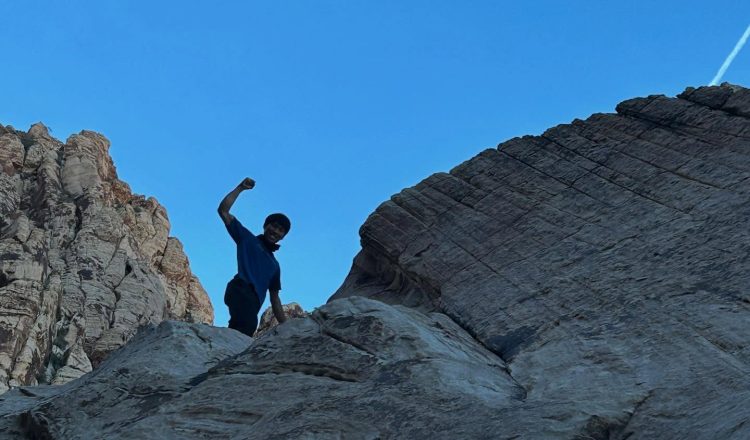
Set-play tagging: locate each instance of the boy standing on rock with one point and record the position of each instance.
(257, 268)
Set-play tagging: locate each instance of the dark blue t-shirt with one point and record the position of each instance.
(255, 263)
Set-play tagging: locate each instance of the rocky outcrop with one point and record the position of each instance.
(155, 367)
(83, 261)
(356, 368)
(269, 321)
(605, 261)
(589, 283)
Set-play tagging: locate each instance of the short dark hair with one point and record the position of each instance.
(279, 218)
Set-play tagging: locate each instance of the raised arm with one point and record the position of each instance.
(228, 200)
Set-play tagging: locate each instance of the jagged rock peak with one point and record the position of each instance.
(83, 260)
(38, 131)
(269, 321)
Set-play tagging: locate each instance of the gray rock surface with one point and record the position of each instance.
(83, 261)
(589, 283)
(355, 368)
(605, 261)
(154, 367)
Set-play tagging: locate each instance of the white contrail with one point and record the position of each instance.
(730, 58)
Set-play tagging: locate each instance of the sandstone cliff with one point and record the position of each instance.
(589, 283)
(83, 261)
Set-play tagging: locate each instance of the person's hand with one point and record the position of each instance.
(248, 183)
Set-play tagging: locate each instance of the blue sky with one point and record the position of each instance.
(333, 106)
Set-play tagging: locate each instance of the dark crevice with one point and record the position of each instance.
(601, 428)
(118, 295)
(359, 347)
(26, 140)
(624, 424)
(221, 367)
(35, 425)
(54, 361)
(523, 393)
(199, 379)
(316, 370)
(327, 371)
(79, 218)
(422, 251)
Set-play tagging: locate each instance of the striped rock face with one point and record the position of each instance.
(605, 261)
(588, 283)
(83, 261)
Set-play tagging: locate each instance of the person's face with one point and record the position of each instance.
(274, 232)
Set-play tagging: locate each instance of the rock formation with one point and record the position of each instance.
(268, 320)
(83, 261)
(605, 262)
(588, 283)
(134, 381)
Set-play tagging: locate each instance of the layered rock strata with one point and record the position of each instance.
(605, 261)
(589, 283)
(83, 261)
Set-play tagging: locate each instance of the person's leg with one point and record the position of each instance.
(252, 311)
(243, 306)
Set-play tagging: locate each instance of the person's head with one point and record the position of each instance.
(276, 227)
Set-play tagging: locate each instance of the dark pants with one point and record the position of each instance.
(243, 306)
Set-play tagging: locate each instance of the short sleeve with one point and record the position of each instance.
(237, 231)
(275, 281)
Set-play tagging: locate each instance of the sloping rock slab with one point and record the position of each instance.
(606, 261)
(132, 383)
(356, 368)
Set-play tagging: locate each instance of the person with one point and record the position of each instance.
(257, 268)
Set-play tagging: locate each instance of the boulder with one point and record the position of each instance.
(268, 320)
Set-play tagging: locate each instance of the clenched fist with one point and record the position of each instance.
(248, 183)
